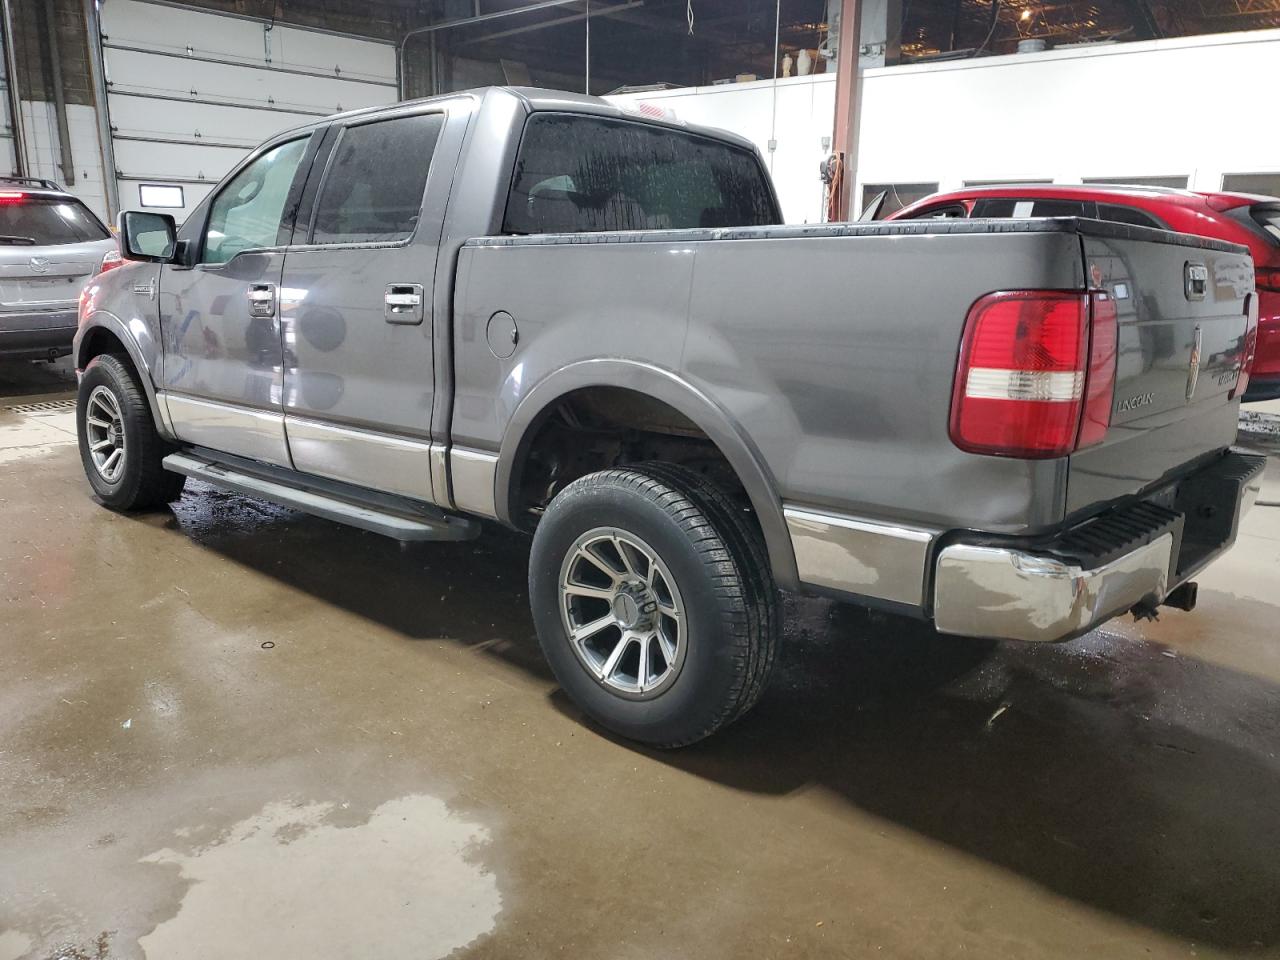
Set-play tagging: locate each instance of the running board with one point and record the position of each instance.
(416, 524)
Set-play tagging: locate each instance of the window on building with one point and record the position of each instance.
(580, 174)
(1266, 184)
(896, 195)
(1007, 183)
(1176, 182)
(372, 190)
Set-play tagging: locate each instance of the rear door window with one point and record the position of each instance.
(582, 174)
(377, 174)
(1020, 208)
(33, 220)
(1120, 214)
(1268, 218)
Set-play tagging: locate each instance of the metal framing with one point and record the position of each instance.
(97, 75)
(15, 100)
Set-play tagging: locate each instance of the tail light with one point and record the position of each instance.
(1037, 374)
(1250, 347)
(12, 196)
(1268, 278)
(110, 261)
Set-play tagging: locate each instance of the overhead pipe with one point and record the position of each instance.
(66, 162)
(15, 99)
(462, 22)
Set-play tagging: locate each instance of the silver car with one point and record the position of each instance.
(50, 245)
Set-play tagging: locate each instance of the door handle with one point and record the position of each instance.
(402, 303)
(262, 300)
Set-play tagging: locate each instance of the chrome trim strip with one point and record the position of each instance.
(366, 458)
(439, 457)
(473, 477)
(881, 560)
(244, 431)
(1011, 595)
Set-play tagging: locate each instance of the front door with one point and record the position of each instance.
(223, 364)
(356, 304)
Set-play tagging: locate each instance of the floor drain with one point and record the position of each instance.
(44, 406)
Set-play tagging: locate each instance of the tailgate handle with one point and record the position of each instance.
(1196, 277)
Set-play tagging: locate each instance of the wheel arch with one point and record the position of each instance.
(666, 387)
(104, 332)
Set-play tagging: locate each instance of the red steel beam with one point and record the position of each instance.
(848, 100)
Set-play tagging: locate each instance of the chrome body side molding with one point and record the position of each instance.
(850, 555)
(472, 475)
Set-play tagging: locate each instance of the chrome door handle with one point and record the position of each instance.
(262, 300)
(402, 303)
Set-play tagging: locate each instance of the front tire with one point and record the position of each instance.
(120, 448)
(654, 603)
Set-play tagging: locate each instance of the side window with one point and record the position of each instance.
(1018, 208)
(372, 190)
(247, 212)
(581, 174)
(950, 211)
(1118, 214)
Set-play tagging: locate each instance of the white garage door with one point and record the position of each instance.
(189, 92)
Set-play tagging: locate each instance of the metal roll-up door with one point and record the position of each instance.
(190, 92)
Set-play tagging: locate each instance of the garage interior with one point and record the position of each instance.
(232, 729)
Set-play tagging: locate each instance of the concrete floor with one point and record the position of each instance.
(232, 730)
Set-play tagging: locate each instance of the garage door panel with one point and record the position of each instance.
(192, 194)
(134, 23)
(243, 126)
(146, 73)
(190, 92)
(175, 160)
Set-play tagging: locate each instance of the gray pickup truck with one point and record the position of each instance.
(587, 323)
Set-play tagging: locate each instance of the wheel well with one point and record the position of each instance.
(600, 427)
(97, 341)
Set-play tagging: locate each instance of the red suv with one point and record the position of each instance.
(1237, 217)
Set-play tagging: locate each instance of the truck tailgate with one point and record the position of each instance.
(1181, 307)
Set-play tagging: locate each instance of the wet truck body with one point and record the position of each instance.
(1029, 436)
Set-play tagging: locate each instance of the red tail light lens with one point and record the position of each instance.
(12, 196)
(112, 260)
(1032, 382)
(1268, 278)
(1251, 309)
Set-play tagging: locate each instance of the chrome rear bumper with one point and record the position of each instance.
(1009, 593)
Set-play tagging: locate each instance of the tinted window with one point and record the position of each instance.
(247, 213)
(951, 211)
(1118, 214)
(31, 220)
(579, 174)
(1268, 218)
(1010, 207)
(896, 195)
(372, 190)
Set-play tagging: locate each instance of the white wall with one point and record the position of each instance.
(1195, 106)
(43, 156)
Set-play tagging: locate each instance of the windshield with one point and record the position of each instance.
(33, 220)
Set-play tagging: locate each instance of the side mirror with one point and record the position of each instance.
(150, 237)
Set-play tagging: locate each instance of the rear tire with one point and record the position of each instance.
(674, 580)
(120, 448)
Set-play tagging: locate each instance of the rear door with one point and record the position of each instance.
(356, 300)
(1181, 307)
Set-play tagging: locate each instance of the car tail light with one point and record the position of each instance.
(1036, 374)
(1251, 309)
(110, 261)
(1268, 278)
(12, 196)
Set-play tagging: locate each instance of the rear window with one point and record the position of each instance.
(1268, 218)
(32, 220)
(1120, 214)
(580, 174)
